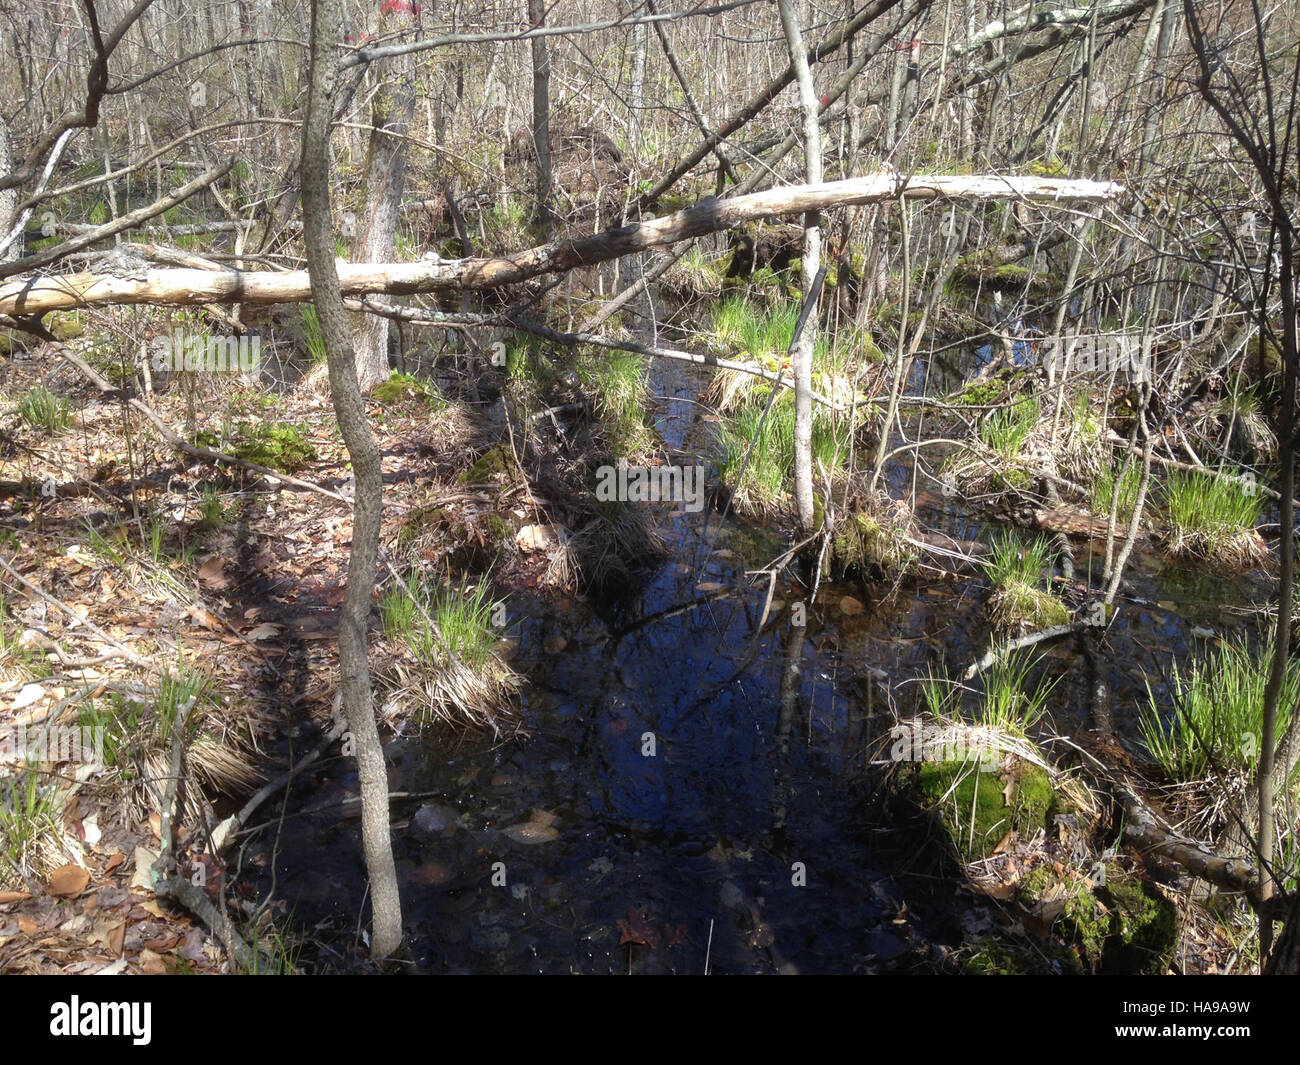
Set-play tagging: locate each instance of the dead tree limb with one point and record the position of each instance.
(40, 295)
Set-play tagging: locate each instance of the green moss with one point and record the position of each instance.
(1121, 926)
(1262, 367)
(66, 326)
(982, 394)
(1052, 167)
(862, 542)
(1147, 925)
(425, 519)
(497, 529)
(976, 814)
(997, 957)
(494, 466)
(403, 388)
(1014, 480)
(1010, 274)
(278, 447)
(1018, 604)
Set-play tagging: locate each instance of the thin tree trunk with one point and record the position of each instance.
(636, 91)
(812, 255)
(541, 115)
(392, 109)
(8, 197)
(349, 408)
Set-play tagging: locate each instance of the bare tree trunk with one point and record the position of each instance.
(636, 91)
(541, 115)
(327, 17)
(8, 197)
(812, 255)
(392, 109)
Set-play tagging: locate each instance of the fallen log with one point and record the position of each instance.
(37, 295)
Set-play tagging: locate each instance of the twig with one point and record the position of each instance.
(999, 650)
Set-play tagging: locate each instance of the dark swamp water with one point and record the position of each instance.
(748, 841)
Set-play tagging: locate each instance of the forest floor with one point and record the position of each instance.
(246, 591)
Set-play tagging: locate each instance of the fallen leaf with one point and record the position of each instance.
(152, 964)
(554, 644)
(28, 694)
(531, 832)
(68, 881)
(144, 860)
(264, 631)
(162, 943)
(212, 573)
(27, 926)
(1004, 891)
(637, 930)
(432, 873)
(850, 607)
(204, 618)
(13, 896)
(192, 948)
(114, 860)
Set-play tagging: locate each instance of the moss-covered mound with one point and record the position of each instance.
(1115, 920)
(979, 806)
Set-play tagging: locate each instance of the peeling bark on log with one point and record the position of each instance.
(39, 295)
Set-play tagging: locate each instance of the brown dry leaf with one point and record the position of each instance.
(27, 926)
(531, 832)
(433, 873)
(264, 631)
(114, 860)
(155, 824)
(68, 881)
(1003, 891)
(14, 896)
(163, 943)
(152, 964)
(212, 573)
(850, 607)
(152, 908)
(1002, 843)
(204, 618)
(1009, 792)
(104, 931)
